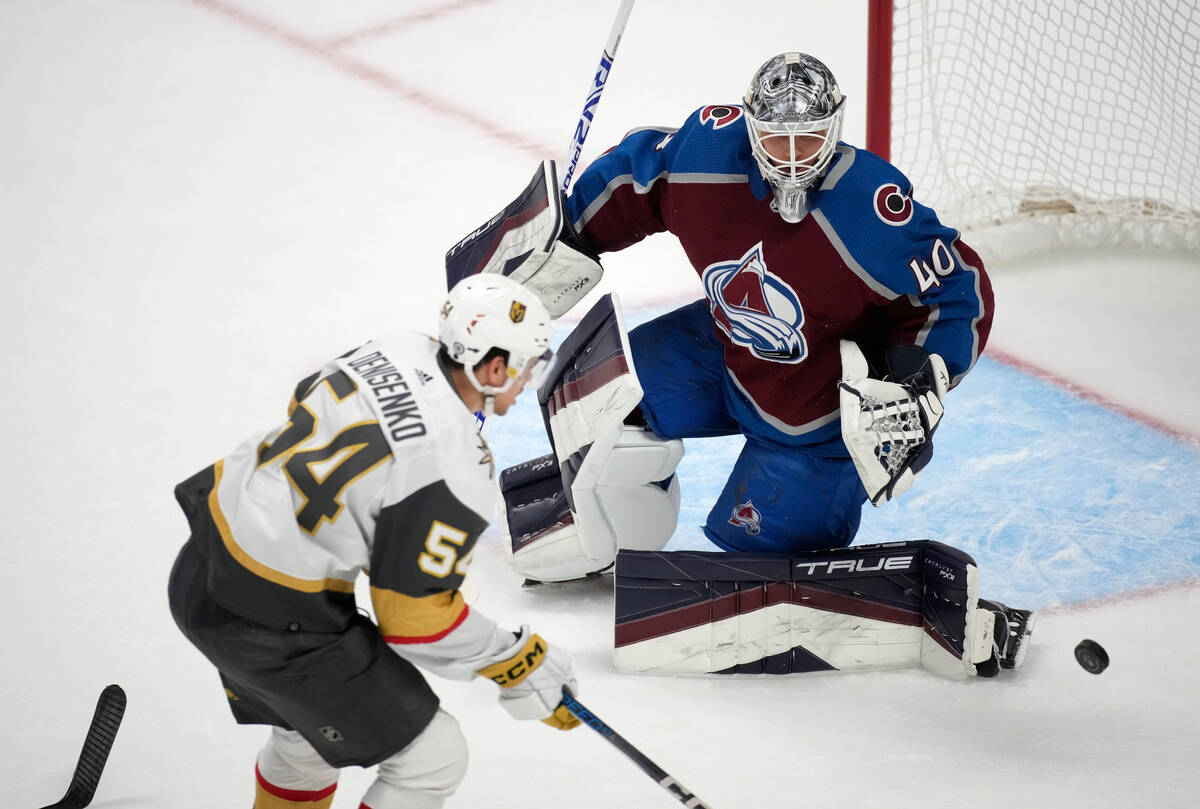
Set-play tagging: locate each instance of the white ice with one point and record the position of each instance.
(201, 200)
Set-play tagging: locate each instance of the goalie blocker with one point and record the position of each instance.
(893, 605)
(532, 242)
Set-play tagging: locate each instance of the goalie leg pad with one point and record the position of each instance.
(617, 480)
(633, 503)
(629, 498)
(542, 539)
(893, 605)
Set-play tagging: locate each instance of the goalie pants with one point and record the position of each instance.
(779, 498)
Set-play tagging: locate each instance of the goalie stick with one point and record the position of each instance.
(594, 91)
(101, 733)
(660, 776)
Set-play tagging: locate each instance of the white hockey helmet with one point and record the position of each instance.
(489, 310)
(794, 118)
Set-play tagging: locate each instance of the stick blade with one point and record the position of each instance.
(110, 709)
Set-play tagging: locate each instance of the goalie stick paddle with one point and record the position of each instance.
(660, 776)
(594, 91)
(101, 733)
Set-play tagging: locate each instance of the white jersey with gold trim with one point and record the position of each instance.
(380, 469)
(302, 501)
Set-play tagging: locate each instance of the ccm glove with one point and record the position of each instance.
(531, 675)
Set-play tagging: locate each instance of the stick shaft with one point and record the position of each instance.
(594, 91)
(660, 776)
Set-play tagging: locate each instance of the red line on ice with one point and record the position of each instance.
(385, 81)
(1092, 396)
(1140, 594)
(404, 22)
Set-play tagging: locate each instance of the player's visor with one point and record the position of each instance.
(531, 371)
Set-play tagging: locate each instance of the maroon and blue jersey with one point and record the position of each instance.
(868, 263)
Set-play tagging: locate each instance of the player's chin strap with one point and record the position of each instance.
(489, 407)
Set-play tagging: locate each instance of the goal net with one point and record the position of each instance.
(1038, 124)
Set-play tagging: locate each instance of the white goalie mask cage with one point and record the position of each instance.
(794, 111)
(487, 311)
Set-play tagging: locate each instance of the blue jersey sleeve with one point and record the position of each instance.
(626, 193)
(616, 201)
(941, 296)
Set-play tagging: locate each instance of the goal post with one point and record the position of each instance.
(1037, 124)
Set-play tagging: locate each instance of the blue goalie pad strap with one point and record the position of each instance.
(476, 249)
(534, 501)
(920, 583)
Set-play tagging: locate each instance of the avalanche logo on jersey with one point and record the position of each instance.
(721, 115)
(756, 309)
(748, 517)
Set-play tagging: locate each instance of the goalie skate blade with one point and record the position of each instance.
(110, 709)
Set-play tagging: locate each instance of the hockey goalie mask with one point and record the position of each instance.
(487, 311)
(794, 119)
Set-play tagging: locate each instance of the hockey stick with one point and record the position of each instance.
(594, 91)
(677, 790)
(103, 730)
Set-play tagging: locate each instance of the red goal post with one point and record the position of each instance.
(1037, 124)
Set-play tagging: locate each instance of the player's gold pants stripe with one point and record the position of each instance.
(408, 619)
(253, 565)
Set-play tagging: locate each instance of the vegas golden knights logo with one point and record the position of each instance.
(517, 312)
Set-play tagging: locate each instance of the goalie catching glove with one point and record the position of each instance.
(531, 675)
(888, 423)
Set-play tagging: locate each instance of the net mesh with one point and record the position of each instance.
(1083, 111)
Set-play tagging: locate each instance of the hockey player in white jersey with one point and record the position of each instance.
(380, 469)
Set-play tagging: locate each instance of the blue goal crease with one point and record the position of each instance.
(1058, 499)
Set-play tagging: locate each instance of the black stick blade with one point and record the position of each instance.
(110, 708)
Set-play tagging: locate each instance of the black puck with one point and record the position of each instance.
(1091, 656)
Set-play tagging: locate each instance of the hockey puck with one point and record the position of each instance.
(1091, 656)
